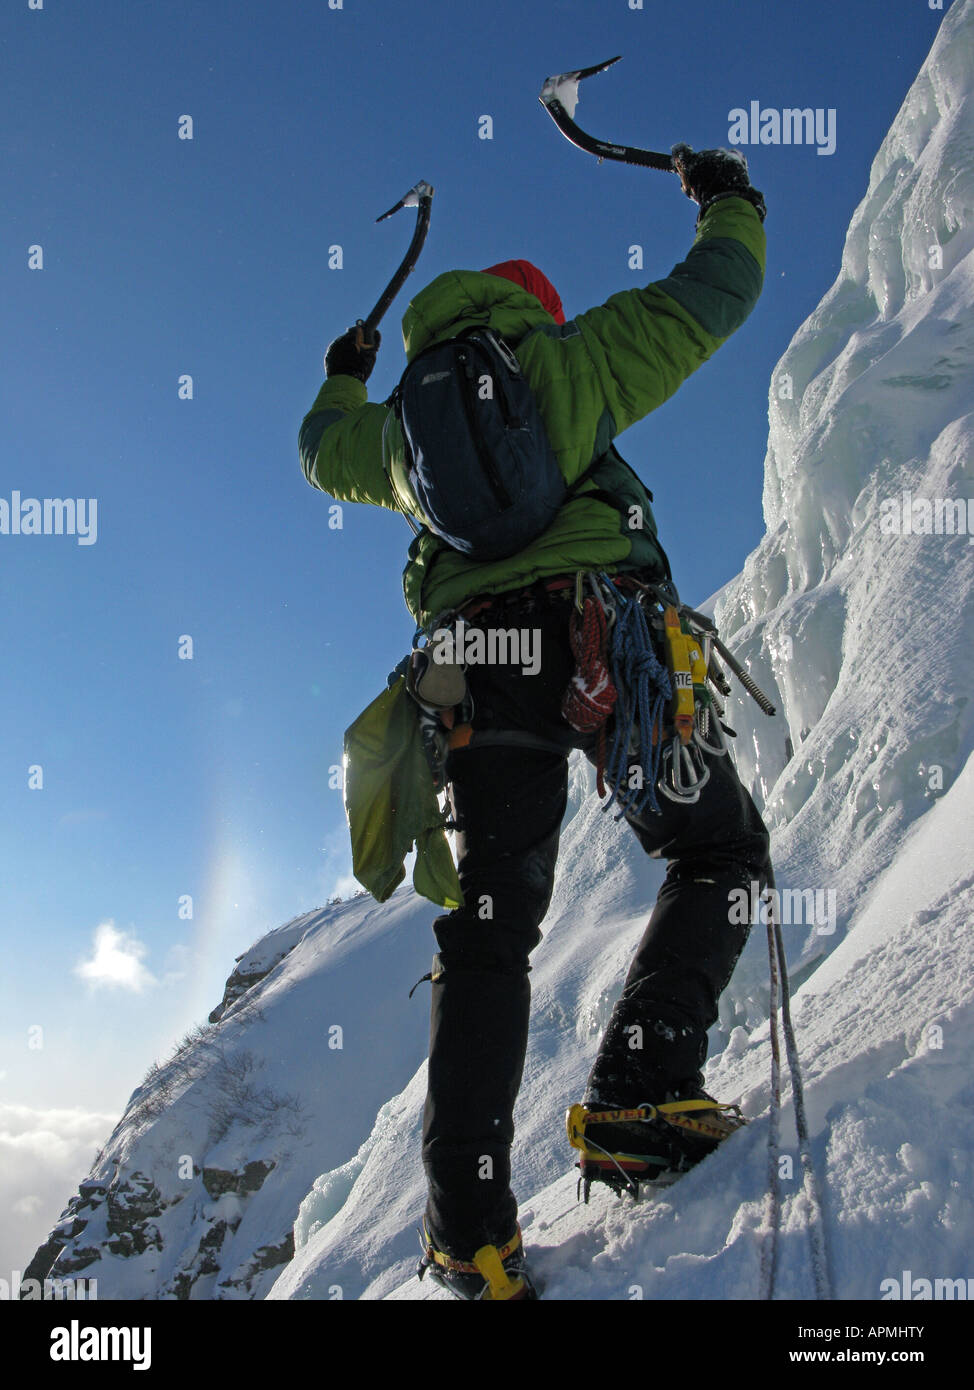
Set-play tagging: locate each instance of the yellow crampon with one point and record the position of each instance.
(488, 1262)
(499, 1283)
(624, 1172)
(679, 1113)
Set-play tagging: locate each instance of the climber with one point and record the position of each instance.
(591, 377)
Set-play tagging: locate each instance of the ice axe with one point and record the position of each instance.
(420, 197)
(559, 97)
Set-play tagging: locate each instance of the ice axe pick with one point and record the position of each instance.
(559, 97)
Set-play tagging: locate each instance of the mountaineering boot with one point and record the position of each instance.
(494, 1273)
(648, 1144)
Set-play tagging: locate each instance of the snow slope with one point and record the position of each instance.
(886, 1030)
(268, 1160)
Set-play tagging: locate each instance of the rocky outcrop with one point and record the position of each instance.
(267, 1257)
(217, 1181)
(228, 1191)
(243, 980)
(126, 1218)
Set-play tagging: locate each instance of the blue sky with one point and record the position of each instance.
(163, 256)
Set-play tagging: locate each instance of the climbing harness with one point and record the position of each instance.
(647, 684)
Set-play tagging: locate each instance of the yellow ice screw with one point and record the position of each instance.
(678, 653)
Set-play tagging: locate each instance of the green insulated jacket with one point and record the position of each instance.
(592, 377)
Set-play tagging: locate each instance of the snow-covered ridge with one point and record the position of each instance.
(865, 637)
(913, 228)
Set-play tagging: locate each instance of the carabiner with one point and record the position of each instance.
(701, 728)
(685, 792)
(609, 609)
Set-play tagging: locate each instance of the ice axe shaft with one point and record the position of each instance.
(559, 97)
(420, 197)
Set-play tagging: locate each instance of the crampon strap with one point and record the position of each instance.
(679, 1113)
(488, 1262)
(437, 1257)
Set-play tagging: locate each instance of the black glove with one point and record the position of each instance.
(709, 175)
(349, 356)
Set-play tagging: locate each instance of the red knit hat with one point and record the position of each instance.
(529, 277)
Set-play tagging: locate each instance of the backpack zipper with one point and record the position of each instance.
(511, 421)
(487, 463)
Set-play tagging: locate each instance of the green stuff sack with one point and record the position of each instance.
(391, 805)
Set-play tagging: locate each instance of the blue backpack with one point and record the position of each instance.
(477, 453)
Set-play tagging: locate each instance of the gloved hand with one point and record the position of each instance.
(345, 357)
(709, 175)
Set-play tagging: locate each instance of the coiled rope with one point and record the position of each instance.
(643, 683)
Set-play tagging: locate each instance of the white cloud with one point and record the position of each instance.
(27, 1206)
(116, 961)
(345, 887)
(44, 1154)
(335, 878)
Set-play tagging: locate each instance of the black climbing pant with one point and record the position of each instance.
(508, 801)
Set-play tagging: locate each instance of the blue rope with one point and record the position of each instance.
(643, 685)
